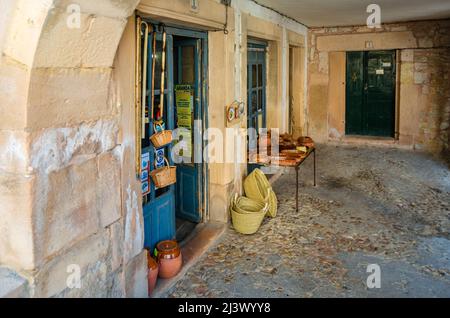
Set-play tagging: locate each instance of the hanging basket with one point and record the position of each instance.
(164, 176)
(161, 138)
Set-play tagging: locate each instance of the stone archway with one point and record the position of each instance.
(62, 153)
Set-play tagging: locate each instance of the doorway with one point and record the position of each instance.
(370, 93)
(174, 211)
(256, 91)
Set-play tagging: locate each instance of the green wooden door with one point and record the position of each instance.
(370, 93)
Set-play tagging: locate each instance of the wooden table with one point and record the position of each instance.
(311, 150)
(297, 168)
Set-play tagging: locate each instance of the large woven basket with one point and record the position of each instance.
(258, 188)
(164, 176)
(161, 138)
(246, 205)
(247, 215)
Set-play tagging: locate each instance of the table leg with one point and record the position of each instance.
(314, 167)
(296, 185)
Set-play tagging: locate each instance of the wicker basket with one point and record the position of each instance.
(247, 215)
(258, 188)
(164, 176)
(246, 205)
(161, 138)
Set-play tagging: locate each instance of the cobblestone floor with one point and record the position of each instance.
(371, 206)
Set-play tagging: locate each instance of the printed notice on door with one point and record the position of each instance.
(185, 105)
(184, 96)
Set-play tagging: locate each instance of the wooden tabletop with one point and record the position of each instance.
(272, 161)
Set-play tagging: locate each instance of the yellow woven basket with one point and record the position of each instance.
(247, 215)
(258, 188)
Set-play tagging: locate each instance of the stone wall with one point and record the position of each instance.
(62, 155)
(423, 87)
(425, 78)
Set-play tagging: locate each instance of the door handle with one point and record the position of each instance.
(366, 87)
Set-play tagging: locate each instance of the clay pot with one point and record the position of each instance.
(152, 275)
(286, 137)
(305, 141)
(169, 258)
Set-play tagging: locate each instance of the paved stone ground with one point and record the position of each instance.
(371, 206)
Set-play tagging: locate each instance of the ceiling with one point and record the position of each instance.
(318, 13)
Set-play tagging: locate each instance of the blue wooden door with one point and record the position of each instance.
(159, 204)
(187, 78)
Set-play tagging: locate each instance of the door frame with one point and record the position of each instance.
(179, 30)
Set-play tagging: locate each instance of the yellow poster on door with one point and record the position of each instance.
(185, 104)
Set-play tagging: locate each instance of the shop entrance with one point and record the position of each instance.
(172, 212)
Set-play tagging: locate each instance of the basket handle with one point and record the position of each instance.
(156, 125)
(166, 161)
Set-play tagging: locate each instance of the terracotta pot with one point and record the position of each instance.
(305, 141)
(170, 267)
(169, 258)
(152, 274)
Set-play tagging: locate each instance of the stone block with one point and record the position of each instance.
(69, 213)
(135, 273)
(64, 97)
(426, 42)
(116, 289)
(106, 8)
(14, 151)
(92, 43)
(13, 97)
(25, 25)
(55, 148)
(407, 56)
(134, 223)
(12, 285)
(89, 256)
(421, 78)
(116, 241)
(108, 189)
(16, 231)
